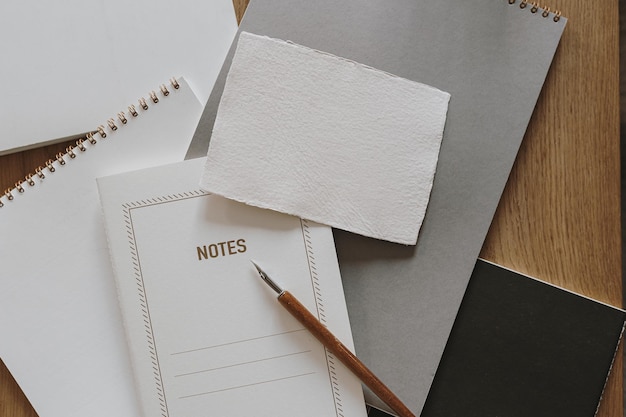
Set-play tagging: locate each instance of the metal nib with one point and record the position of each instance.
(267, 279)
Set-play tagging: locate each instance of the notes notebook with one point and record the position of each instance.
(207, 336)
(492, 56)
(68, 64)
(62, 336)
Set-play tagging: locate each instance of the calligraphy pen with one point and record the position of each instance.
(333, 344)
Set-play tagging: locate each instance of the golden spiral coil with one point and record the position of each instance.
(534, 8)
(60, 158)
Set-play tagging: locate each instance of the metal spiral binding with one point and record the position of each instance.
(60, 157)
(534, 8)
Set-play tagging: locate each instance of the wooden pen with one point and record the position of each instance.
(334, 345)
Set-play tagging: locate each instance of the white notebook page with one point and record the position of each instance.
(65, 64)
(63, 339)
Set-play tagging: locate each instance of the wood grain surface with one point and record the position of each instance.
(559, 217)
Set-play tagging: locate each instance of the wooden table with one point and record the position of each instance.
(559, 217)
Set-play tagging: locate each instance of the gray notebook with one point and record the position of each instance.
(492, 57)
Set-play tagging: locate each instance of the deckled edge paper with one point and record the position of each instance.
(324, 138)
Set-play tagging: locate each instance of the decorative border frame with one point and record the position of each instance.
(139, 281)
(145, 310)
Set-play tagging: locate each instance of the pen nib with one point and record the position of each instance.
(267, 279)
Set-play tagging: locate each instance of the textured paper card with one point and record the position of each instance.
(314, 135)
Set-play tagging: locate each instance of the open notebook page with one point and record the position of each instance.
(72, 62)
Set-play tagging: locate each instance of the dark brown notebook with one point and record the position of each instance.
(520, 347)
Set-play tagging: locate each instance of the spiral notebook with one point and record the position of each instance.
(492, 56)
(65, 64)
(62, 337)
